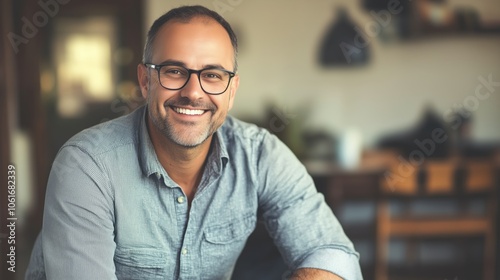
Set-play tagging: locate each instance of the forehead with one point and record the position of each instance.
(197, 41)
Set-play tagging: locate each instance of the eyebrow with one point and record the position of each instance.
(180, 63)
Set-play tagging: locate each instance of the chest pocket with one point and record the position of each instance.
(230, 232)
(140, 263)
(222, 244)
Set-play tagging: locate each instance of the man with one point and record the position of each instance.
(173, 190)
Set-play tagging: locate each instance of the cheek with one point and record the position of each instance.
(154, 87)
(222, 103)
(158, 94)
(230, 101)
(156, 101)
(232, 93)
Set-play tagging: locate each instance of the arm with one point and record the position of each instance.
(77, 233)
(301, 224)
(312, 274)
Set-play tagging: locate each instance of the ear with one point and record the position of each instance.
(235, 83)
(142, 76)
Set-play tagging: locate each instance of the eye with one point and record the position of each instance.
(213, 75)
(173, 71)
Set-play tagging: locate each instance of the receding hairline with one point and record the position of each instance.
(186, 14)
(207, 20)
(201, 18)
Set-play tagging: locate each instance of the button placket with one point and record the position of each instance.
(188, 249)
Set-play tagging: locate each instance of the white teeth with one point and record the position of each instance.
(188, 111)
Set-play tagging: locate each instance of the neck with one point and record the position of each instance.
(184, 165)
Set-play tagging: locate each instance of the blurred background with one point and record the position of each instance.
(392, 105)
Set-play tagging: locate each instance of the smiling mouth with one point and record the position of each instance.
(191, 112)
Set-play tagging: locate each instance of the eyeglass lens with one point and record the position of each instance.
(213, 81)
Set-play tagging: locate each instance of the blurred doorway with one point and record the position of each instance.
(76, 67)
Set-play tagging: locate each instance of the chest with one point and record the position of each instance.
(157, 231)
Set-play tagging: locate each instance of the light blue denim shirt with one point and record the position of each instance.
(112, 211)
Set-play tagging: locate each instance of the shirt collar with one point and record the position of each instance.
(218, 153)
(217, 158)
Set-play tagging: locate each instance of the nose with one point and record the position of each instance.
(192, 89)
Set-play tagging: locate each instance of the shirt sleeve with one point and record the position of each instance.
(77, 233)
(301, 224)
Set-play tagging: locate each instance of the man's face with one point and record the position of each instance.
(196, 45)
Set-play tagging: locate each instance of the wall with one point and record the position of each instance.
(277, 63)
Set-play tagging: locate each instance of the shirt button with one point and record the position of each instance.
(180, 199)
(184, 251)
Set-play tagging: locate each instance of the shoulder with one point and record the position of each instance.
(239, 136)
(108, 135)
(234, 129)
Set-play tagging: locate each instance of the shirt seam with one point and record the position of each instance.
(97, 161)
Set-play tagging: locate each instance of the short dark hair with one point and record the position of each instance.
(185, 14)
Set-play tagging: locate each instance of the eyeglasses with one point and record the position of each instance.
(174, 77)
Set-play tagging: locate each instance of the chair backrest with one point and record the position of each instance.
(440, 176)
(451, 176)
(439, 198)
(480, 175)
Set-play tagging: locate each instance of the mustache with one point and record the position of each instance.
(183, 101)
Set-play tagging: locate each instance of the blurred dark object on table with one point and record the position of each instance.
(421, 138)
(319, 146)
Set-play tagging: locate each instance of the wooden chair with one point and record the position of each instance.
(453, 179)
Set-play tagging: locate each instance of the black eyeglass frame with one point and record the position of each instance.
(158, 67)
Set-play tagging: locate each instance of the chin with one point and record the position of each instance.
(189, 141)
